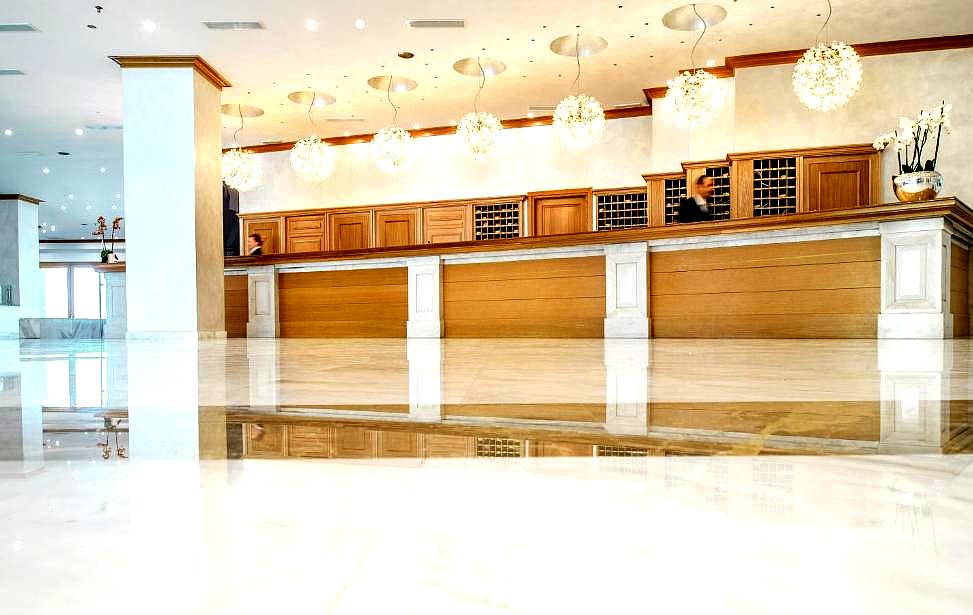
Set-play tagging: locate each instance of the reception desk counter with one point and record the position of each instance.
(893, 270)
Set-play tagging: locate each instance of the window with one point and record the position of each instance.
(73, 291)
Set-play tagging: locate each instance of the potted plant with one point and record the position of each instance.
(917, 179)
(108, 250)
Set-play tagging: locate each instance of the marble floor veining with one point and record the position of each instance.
(350, 476)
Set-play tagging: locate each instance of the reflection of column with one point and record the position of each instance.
(425, 297)
(263, 367)
(915, 279)
(627, 308)
(914, 395)
(425, 379)
(626, 386)
(116, 315)
(21, 429)
(262, 302)
(116, 359)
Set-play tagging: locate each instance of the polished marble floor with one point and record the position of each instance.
(481, 476)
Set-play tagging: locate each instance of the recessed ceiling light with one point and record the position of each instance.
(415, 126)
(452, 122)
(64, 207)
(87, 207)
(118, 196)
(114, 207)
(70, 196)
(711, 62)
(406, 55)
(79, 131)
(45, 170)
(347, 134)
(148, 26)
(311, 25)
(360, 23)
(53, 228)
(8, 132)
(102, 170)
(530, 115)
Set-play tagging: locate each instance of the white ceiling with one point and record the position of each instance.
(70, 82)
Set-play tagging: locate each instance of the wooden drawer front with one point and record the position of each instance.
(396, 228)
(445, 224)
(305, 244)
(303, 226)
(350, 231)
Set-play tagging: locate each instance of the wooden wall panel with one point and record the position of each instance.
(959, 284)
(441, 445)
(266, 440)
(560, 212)
(349, 231)
(446, 224)
(355, 443)
(401, 444)
(270, 231)
(396, 228)
(309, 440)
(837, 182)
(561, 449)
(820, 289)
(355, 303)
(236, 305)
(562, 297)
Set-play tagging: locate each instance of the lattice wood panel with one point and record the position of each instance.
(622, 210)
(499, 447)
(774, 186)
(621, 451)
(719, 201)
(496, 220)
(674, 191)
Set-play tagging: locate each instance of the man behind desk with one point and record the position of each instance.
(695, 208)
(255, 245)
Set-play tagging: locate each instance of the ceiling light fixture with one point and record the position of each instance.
(242, 170)
(79, 131)
(118, 195)
(695, 96)
(64, 207)
(312, 159)
(311, 25)
(579, 119)
(827, 76)
(479, 130)
(392, 146)
(360, 23)
(102, 170)
(148, 26)
(8, 132)
(45, 170)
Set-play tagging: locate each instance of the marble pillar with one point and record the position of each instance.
(626, 291)
(21, 287)
(173, 198)
(425, 297)
(116, 308)
(262, 320)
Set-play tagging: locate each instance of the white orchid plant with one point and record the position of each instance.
(912, 136)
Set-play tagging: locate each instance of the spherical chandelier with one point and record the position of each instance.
(696, 99)
(392, 149)
(313, 160)
(827, 76)
(579, 121)
(479, 132)
(242, 170)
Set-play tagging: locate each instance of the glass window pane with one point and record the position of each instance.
(58, 384)
(87, 382)
(55, 292)
(87, 293)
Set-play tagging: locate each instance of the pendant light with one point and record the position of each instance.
(827, 76)
(579, 120)
(479, 130)
(312, 159)
(392, 146)
(695, 96)
(242, 170)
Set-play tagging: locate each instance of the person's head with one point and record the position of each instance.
(704, 186)
(253, 241)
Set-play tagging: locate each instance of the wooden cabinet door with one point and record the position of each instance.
(560, 212)
(837, 183)
(396, 228)
(268, 229)
(304, 233)
(445, 224)
(305, 244)
(350, 231)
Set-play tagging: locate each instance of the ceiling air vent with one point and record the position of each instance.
(345, 119)
(10, 71)
(436, 23)
(17, 27)
(233, 25)
(541, 108)
(103, 126)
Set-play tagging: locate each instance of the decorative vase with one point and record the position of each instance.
(112, 257)
(918, 186)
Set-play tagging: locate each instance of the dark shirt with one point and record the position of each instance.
(689, 211)
(258, 251)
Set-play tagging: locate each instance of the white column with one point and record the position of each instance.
(173, 198)
(19, 263)
(627, 386)
(915, 279)
(425, 297)
(914, 395)
(626, 291)
(262, 319)
(425, 379)
(116, 314)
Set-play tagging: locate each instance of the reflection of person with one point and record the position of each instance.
(255, 245)
(695, 208)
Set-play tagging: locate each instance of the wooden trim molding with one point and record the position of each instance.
(383, 207)
(791, 56)
(196, 62)
(807, 152)
(438, 131)
(21, 197)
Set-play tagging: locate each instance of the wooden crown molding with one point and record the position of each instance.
(21, 197)
(256, 215)
(199, 64)
(436, 131)
(791, 56)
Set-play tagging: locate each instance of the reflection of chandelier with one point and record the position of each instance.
(242, 170)
(579, 121)
(312, 159)
(479, 131)
(827, 76)
(392, 149)
(696, 99)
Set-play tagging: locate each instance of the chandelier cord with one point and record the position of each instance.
(577, 58)
(817, 39)
(239, 109)
(310, 115)
(476, 99)
(692, 54)
(388, 94)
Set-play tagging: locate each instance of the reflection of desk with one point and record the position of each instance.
(896, 270)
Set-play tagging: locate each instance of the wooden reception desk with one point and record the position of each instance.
(891, 270)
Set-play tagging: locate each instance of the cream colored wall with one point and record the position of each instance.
(769, 116)
(530, 159)
(671, 146)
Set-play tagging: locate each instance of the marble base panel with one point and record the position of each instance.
(62, 328)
